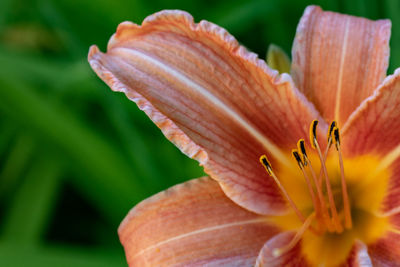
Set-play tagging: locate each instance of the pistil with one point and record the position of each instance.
(323, 210)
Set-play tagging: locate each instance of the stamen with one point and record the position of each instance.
(346, 203)
(331, 127)
(328, 146)
(297, 158)
(302, 148)
(310, 188)
(264, 161)
(335, 217)
(336, 137)
(279, 251)
(313, 133)
(322, 206)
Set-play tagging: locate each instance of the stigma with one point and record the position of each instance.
(331, 207)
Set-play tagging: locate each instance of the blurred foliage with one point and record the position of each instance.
(74, 156)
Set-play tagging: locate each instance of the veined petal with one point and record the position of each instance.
(216, 101)
(395, 221)
(358, 256)
(386, 251)
(292, 258)
(374, 128)
(193, 224)
(339, 60)
(391, 202)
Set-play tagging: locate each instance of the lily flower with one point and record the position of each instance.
(304, 169)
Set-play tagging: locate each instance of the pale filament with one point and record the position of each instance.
(335, 217)
(323, 210)
(315, 145)
(296, 155)
(279, 251)
(321, 172)
(328, 146)
(318, 186)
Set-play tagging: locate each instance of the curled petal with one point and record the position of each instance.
(357, 256)
(216, 101)
(339, 60)
(193, 224)
(291, 258)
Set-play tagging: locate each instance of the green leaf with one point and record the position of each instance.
(278, 59)
(16, 256)
(392, 11)
(28, 213)
(17, 160)
(108, 181)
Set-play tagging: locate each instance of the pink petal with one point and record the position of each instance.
(216, 101)
(339, 60)
(193, 224)
(386, 251)
(374, 128)
(391, 202)
(358, 256)
(292, 258)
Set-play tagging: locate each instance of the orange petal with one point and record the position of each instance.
(391, 202)
(374, 129)
(193, 224)
(339, 60)
(375, 126)
(291, 258)
(386, 251)
(358, 256)
(216, 101)
(395, 221)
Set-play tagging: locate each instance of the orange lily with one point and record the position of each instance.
(331, 201)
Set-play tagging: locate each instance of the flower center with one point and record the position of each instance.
(341, 206)
(319, 187)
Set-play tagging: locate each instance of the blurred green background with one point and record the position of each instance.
(74, 156)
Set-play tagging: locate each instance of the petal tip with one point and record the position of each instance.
(168, 14)
(93, 49)
(309, 10)
(127, 29)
